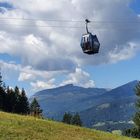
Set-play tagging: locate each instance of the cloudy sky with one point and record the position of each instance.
(40, 43)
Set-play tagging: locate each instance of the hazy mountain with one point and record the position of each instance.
(99, 108)
(55, 102)
(115, 111)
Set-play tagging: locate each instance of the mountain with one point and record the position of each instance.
(99, 108)
(17, 127)
(55, 102)
(116, 110)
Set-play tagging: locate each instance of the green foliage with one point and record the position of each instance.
(135, 132)
(16, 101)
(72, 119)
(24, 102)
(22, 105)
(76, 120)
(67, 118)
(137, 89)
(136, 118)
(2, 94)
(13, 100)
(35, 109)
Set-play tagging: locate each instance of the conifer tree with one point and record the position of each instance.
(135, 132)
(10, 100)
(2, 94)
(24, 104)
(76, 120)
(67, 118)
(17, 104)
(35, 109)
(13, 100)
(136, 118)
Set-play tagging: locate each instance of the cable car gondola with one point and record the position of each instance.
(89, 42)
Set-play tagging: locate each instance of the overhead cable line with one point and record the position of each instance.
(70, 24)
(67, 27)
(70, 21)
(39, 19)
(43, 26)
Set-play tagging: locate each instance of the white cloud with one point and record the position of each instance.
(10, 65)
(25, 76)
(127, 52)
(26, 73)
(79, 78)
(36, 77)
(38, 46)
(40, 85)
(43, 53)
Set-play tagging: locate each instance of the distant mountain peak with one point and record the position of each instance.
(134, 81)
(68, 85)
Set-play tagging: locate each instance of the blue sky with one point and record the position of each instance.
(36, 55)
(113, 75)
(135, 5)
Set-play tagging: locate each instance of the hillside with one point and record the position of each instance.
(55, 102)
(115, 112)
(16, 127)
(107, 109)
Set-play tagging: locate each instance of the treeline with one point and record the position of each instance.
(73, 119)
(13, 100)
(16, 101)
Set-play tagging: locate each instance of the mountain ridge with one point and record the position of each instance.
(92, 101)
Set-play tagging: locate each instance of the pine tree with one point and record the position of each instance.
(24, 104)
(13, 100)
(136, 118)
(10, 100)
(17, 104)
(67, 118)
(2, 94)
(135, 132)
(35, 109)
(76, 120)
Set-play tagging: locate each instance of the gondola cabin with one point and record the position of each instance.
(90, 44)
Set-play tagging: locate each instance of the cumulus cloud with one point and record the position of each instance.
(128, 51)
(25, 76)
(27, 73)
(79, 78)
(37, 79)
(64, 43)
(42, 49)
(40, 85)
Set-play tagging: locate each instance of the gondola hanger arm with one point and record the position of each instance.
(87, 21)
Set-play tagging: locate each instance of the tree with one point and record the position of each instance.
(24, 104)
(136, 118)
(67, 118)
(76, 120)
(135, 132)
(35, 109)
(72, 119)
(17, 105)
(10, 100)
(13, 100)
(2, 94)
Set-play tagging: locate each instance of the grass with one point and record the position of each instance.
(16, 127)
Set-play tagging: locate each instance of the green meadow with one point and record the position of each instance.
(17, 127)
